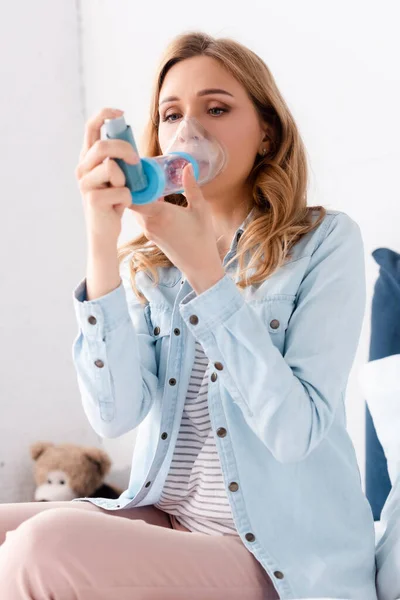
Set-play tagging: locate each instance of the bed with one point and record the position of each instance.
(380, 382)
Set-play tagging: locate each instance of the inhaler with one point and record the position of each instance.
(161, 175)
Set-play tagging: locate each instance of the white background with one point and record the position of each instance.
(336, 64)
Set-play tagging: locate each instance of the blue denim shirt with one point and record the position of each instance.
(282, 351)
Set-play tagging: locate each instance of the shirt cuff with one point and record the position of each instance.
(102, 315)
(204, 312)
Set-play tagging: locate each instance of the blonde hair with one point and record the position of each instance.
(279, 179)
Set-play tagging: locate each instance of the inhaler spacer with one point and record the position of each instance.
(161, 175)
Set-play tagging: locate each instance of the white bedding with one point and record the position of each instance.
(380, 382)
(379, 529)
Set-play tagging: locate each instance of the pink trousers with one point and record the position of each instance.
(77, 551)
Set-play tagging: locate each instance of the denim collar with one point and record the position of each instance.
(240, 230)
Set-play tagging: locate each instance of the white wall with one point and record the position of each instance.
(42, 235)
(335, 65)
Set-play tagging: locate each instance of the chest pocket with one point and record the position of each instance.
(275, 313)
(159, 320)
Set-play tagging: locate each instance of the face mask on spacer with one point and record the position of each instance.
(162, 175)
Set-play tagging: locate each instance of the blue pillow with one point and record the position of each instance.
(385, 341)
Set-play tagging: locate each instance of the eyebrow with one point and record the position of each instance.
(206, 92)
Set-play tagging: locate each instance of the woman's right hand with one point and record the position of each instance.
(102, 182)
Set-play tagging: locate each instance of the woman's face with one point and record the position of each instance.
(190, 90)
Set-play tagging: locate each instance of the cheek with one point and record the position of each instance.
(242, 152)
(241, 156)
(166, 134)
(163, 138)
(242, 142)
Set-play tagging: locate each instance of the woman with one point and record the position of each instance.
(225, 333)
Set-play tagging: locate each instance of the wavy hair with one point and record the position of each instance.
(278, 179)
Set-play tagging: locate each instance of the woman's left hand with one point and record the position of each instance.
(185, 234)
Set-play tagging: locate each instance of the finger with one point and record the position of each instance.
(152, 209)
(101, 200)
(191, 189)
(93, 127)
(103, 149)
(108, 172)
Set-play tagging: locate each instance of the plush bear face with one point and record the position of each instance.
(67, 471)
(56, 487)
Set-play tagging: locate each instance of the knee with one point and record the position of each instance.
(46, 532)
(39, 546)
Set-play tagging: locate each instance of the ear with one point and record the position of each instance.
(267, 132)
(100, 458)
(38, 448)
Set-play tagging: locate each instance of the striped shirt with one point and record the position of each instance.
(194, 490)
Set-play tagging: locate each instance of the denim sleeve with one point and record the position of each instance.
(290, 401)
(114, 358)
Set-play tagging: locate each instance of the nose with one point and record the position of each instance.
(187, 132)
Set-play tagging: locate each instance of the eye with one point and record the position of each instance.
(168, 118)
(215, 108)
(62, 481)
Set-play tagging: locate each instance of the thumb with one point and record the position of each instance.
(191, 188)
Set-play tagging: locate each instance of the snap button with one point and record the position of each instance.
(274, 324)
(214, 377)
(177, 331)
(172, 381)
(233, 486)
(99, 363)
(157, 331)
(92, 320)
(250, 537)
(279, 574)
(148, 484)
(218, 366)
(221, 432)
(164, 436)
(194, 319)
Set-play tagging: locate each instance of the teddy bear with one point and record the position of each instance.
(67, 471)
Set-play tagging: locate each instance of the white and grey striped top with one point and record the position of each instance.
(194, 489)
